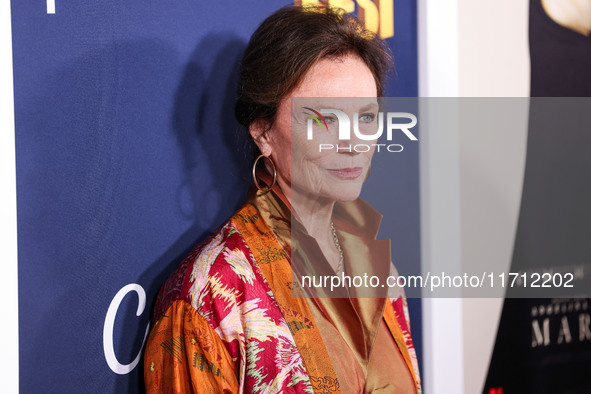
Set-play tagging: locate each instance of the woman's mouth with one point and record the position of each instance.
(347, 173)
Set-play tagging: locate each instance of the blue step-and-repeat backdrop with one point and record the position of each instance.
(127, 155)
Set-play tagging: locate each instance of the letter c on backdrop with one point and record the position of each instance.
(114, 364)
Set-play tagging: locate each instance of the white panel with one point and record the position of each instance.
(8, 267)
(468, 48)
(439, 173)
(493, 62)
(440, 245)
(438, 48)
(491, 184)
(493, 48)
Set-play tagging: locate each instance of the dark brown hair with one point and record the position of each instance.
(288, 43)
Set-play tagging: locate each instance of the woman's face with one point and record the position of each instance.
(302, 166)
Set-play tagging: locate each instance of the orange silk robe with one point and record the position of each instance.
(226, 320)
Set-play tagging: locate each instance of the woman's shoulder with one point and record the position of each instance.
(219, 272)
(222, 260)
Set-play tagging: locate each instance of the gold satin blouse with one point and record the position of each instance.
(364, 355)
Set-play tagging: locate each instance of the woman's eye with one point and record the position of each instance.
(367, 118)
(329, 119)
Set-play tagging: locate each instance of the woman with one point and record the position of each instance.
(226, 319)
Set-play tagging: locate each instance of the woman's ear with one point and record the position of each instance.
(259, 132)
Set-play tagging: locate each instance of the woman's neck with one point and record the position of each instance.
(573, 14)
(315, 214)
(312, 211)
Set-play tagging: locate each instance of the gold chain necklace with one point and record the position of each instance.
(340, 267)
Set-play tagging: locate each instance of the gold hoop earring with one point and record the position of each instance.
(254, 176)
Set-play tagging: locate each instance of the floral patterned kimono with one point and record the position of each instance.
(226, 321)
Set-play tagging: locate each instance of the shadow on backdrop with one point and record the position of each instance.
(101, 182)
(212, 142)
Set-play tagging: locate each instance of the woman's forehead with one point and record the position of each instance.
(346, 76)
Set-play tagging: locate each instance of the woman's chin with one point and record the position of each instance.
(346, 193)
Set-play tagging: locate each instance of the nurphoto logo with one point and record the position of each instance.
(371, 129)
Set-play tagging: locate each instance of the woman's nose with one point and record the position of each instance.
(348, 147)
